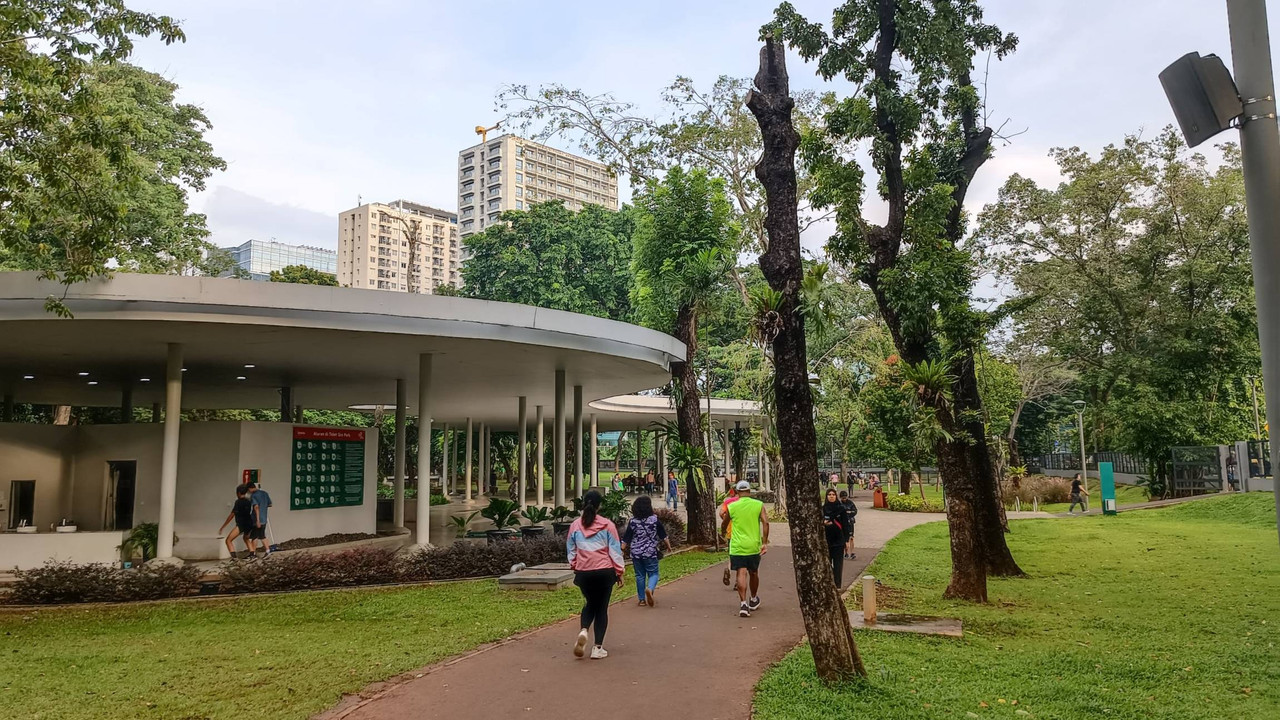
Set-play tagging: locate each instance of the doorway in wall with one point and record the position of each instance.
(22, 503)
(122, 478)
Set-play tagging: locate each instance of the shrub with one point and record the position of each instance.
(64, 582)
(1048, 489)
(674, 524)
(307, 570)
(464, 559)
(910, 503)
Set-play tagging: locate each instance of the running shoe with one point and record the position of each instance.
(726, 576)
(744, 611)
(599, 653)
(754, 604)
(580, 647)
(648, 597)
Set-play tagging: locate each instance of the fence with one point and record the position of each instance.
(1120, 462)
(1259, 458)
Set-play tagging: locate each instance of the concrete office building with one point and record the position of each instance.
(511, 173)
(260, 257)
(377, 242)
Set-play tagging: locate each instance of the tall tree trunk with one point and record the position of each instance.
(700, 498)
(904, 482)
(999, 560)
(968, 568)
(826, 619)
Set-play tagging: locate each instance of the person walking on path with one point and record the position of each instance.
(595, 556)
(261, 501)
(852, 511)
(242, 513)
(644, 534)
(673, 490)
(1078, 495)
(726, 531)
(835, 521)
(748, 541)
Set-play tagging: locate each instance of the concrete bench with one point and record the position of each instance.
(551, 576)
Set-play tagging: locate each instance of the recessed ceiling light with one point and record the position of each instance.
(241, 377)
(93, 382)
(84, 374)
(184, 369)
(250, 367)
(28, 377)
(144, 379)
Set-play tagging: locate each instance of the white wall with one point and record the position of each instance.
(22, 551)
(95, 446)
(269, 448)
(40, 453)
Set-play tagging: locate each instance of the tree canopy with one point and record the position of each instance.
(303, 275)
(552, 257)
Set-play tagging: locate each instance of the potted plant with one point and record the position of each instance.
(614, 506)
(536, 516)
(503, 513)
(143, 540)
(561, 518)
(460, 523)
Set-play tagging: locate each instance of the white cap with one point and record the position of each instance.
(744, 485)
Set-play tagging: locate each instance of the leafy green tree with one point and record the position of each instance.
(86, 145)
(552, 257)
(918, 109)
(683, 236)
(303, 275)
(1136, 271)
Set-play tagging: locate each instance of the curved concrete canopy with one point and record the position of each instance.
(627, 412)
(336, 347)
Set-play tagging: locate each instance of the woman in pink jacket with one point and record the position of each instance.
(595, 554)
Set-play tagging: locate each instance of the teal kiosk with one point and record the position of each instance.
(1107, 483)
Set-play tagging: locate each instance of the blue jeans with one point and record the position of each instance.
(646, 570)
(673, 501)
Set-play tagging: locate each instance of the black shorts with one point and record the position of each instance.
(244, 530)
(258, 533)
(750, 563)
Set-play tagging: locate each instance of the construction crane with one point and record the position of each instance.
(483, 131)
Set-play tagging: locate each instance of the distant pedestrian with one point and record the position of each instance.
(835, 523)
(261, 502)
(649, 485)
(852, 511)
(673, 491)
(1078, 495)
(748, 542)
(726, 532)
(595, 556)
(242, 514)
(643, 538)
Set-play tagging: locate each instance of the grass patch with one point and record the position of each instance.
(1169, 613)
(285, 656)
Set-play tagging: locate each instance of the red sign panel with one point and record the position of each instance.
(318, 433)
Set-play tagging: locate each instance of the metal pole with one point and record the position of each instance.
(1257, 421)
(1260, 151)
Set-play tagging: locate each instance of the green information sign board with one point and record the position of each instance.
(328, 468)
(1107, 486)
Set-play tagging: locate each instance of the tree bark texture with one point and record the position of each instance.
(826, 619)
(700, 498)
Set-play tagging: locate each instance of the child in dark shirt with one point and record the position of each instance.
(242, 514)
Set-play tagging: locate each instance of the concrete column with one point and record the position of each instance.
(423, 535)
(522, 453)
(402, 397)
(466, 461)
(577, 441)
(155, 412)
(764, 458)
(450, 472)
(639, 455)
(126, 401)
(540, 450)
(737, 430)
(8, 407)
(297, 413)
(169, 456)
(595, 454)
(557, 469)
(286, 402)
(726, 454)
(484, 462)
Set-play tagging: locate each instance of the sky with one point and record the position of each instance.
(318, 104)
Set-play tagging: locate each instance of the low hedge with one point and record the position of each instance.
(465, 560)
(64, 582)
(309, 571)
(674, 524)
(910, 503)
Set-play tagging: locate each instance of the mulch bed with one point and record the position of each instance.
(330, 539)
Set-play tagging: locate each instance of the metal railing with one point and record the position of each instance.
(1120, 462)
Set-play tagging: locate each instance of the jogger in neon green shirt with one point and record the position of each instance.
(749, 540)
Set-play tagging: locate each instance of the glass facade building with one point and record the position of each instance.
(260, 257)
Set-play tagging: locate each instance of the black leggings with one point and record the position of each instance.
(837, 564)
(596, 587)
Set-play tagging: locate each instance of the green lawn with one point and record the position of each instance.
(284, 656)
(1167, 614)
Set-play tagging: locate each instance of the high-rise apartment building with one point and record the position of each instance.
(511, 173)
(400, 246)
(260, 257)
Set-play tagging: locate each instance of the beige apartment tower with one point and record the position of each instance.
(400, 246)
(511, 173)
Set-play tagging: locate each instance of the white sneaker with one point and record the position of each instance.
(599, 653)
(580, 647)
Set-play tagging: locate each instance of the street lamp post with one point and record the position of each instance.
(1084, 467)
(1257, 421)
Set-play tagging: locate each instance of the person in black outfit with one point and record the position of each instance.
(834, 520)
(242, 514)
(852, 511)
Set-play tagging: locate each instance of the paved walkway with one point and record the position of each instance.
(692, 652)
